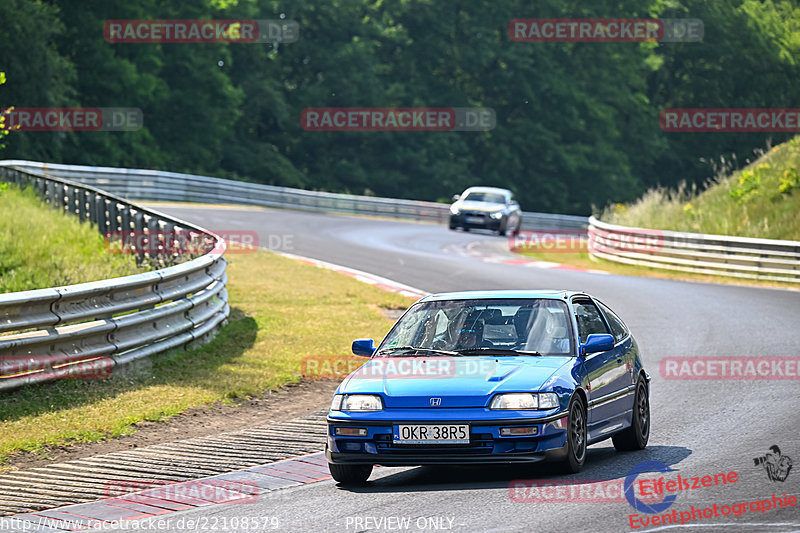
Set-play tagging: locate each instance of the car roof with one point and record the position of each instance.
(517, 294)
(487, 189)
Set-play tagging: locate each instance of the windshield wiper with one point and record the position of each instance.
(498, 351)
(418, 349)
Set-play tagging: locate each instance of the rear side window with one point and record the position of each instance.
(589, 319)
(618, 329)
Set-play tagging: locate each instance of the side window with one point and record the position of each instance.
(618, 329)
(589, 319)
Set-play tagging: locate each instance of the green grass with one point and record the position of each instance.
(42, 247)
(283, 313)
(762, 200)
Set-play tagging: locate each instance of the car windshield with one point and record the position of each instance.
(483, 326)
(487, 197)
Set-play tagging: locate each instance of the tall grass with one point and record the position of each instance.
(42, 247)
(761, 200)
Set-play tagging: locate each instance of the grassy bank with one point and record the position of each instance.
(42, 247)
(761, 200)
(283, 312)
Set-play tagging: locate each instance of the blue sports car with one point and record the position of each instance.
(488, 377)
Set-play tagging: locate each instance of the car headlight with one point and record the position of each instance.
(356, 402)
(525, 400)
(454, 209)
(496, 215)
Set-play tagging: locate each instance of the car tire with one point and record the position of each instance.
(503, 228)
(350, 474)
(636, 436)
(576, 437)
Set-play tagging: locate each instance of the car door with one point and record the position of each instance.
(606, 372)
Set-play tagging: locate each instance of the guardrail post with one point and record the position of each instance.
(59, 197)
(83, 196)
(154, 237)
(70, 207)
(113, 221)
(169, 242)
(20, 179)
(100, 213)
(125, 218)
(91, 208)
(138, 230)
(138, 222)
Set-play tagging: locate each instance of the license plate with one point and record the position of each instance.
(431, 434)
(474, 220)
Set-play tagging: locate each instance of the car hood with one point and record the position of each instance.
(479, 206)
(470, 381)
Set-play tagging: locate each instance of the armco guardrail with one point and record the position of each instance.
(171, 186)
(91, 328)
(720, 255)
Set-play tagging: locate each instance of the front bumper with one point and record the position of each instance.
(476, 220)
(486, 444)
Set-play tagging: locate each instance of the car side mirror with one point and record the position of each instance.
(597, 342)
(366, 347)
(456, 197)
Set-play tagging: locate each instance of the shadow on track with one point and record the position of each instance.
(602, 464)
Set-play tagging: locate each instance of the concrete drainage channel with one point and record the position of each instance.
(115, 474)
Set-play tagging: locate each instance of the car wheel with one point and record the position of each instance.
(350, 474)
(636, 436)
(576, 437)
(503, 228)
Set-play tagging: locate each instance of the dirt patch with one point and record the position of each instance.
(392, 314)
(290, 401)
